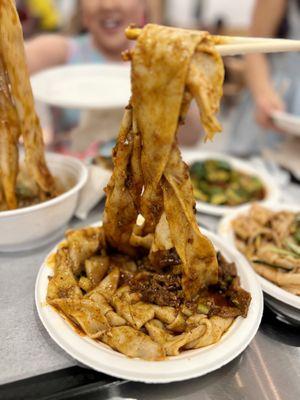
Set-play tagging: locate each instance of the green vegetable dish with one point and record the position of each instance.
(216, 182)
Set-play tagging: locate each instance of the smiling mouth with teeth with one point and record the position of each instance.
(111, 24)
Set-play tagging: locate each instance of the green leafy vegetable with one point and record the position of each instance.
(258, 261)
(216, 182)
(293, 246)
(198, 170)
(202, 308)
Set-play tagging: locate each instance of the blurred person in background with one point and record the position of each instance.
(103, 21)
(273, 80)
(97, 36)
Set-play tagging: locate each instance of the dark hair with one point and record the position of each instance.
(283, 28)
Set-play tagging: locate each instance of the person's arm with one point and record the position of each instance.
(46, 51)
(191, 132)
(265, 21)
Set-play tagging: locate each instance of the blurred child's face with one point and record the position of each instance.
(107, 20)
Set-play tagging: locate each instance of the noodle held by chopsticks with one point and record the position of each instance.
(148, 283)
(18, 116)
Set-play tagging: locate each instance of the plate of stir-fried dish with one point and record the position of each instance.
(222, 183)
(269, 237)
(136, 325)
(146, 295)
(36, 189)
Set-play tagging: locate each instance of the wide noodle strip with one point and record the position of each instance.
(148, 283)
(199, 263)
(160, 65)
(121, 205)
(18, 116)
(9, 136)
(170, 67)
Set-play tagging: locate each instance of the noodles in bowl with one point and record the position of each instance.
(19, 119)
(47, 220)
(38, 192)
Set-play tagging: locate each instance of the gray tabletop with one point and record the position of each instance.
(268, 369)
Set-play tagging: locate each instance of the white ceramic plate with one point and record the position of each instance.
(83, 86)
(290, 123)
(272, 191)
(188, 365)
(290, 303)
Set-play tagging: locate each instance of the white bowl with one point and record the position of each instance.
(31, 227)
(271, 188)
(189, 364)
(285, 302)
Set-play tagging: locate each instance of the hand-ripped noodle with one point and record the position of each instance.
(148, 283)
(18, 118)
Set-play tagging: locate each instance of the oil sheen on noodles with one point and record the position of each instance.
(148, 283)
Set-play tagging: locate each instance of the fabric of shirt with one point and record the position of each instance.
(246, 135)
(81, 51)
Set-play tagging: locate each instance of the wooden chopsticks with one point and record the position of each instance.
(234, 45)
(245, 45)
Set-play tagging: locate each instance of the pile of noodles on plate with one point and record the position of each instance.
(33, 183)
(271, 241)
(148, 283)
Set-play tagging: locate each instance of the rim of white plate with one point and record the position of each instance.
(272, 190)
(189, 364)
(225, 230)
(83, 86)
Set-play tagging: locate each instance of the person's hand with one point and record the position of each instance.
(265, 104)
